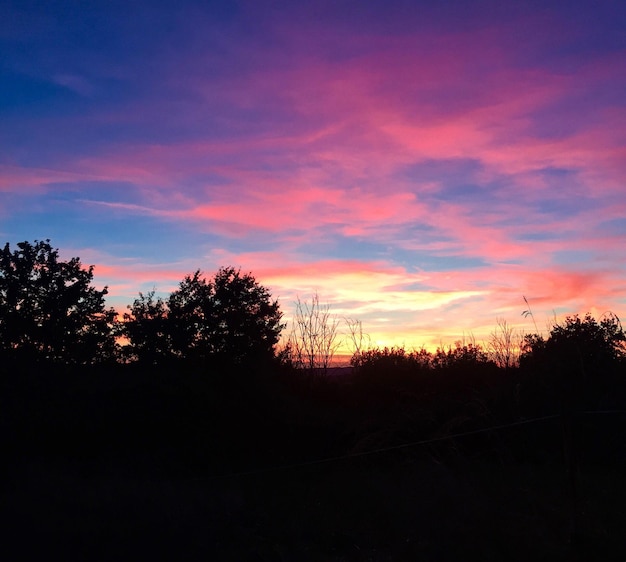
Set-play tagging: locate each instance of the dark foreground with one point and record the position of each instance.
(163, 467)
(401, 508)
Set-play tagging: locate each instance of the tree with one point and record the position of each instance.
(581, 346)
(146, 328)
(314, 336)
(245, 321)
(357, 340)
(188, 315)
(230, 316)
(48, 309)
(504, 345)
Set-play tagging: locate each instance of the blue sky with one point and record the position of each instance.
(422, 166)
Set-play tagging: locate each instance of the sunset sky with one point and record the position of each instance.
(423, 166)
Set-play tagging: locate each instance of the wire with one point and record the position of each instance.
(589, 413)
(338, 458)
(422, 442)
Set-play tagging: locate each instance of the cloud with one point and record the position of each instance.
(77, 84)
(425, 172)
(19, 179)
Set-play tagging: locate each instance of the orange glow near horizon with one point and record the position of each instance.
(421, 171)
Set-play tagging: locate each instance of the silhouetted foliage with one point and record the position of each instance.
(380, 371)
(391, 358)
(578, 346)
(579, 365)
(461, 356)
(229, 316)
(448, 371)
(146, 328)
(48, 309)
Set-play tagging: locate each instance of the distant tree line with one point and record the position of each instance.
(50, 312)
(581, 346)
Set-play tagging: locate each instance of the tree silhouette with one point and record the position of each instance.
(314, 337)
(229, 316)
(146, 328)
(189, 316)
(244, 321)
(504, 345)
(48, 309)
(581, 346)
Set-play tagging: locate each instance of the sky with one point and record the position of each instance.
(421, 166)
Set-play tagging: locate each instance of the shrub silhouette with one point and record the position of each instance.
(460, 357)
(580, 362)
(391, 359)
(584, 347)
(48, 309)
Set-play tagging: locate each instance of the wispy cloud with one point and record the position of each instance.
(422, 168)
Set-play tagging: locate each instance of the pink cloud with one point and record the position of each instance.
(396, 306)
(16, 179)
(355, 123)
(324, 134)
